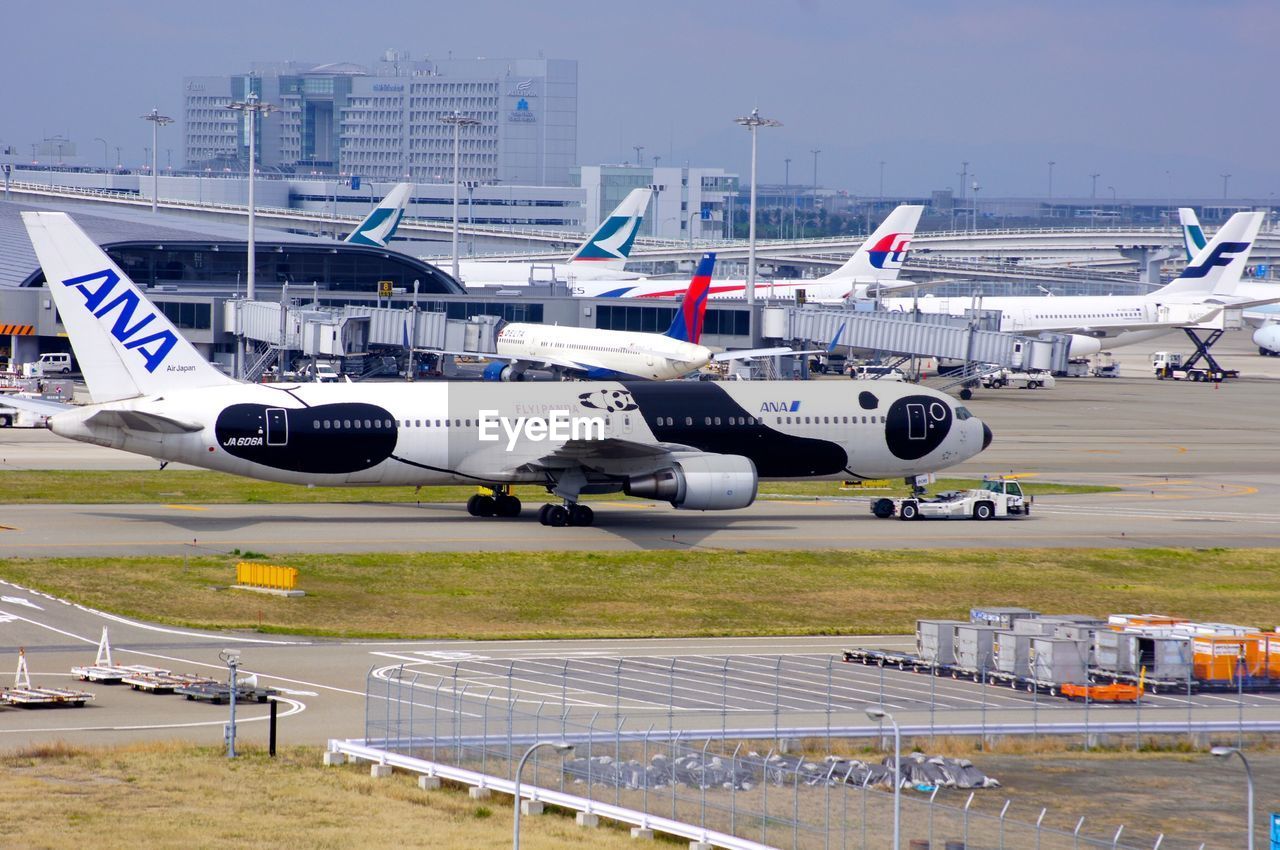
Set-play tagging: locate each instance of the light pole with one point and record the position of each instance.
(976, 187)
(1226, 752)
(786, 192)
(1051, 165)
(231, 657)
(1226, 178)
(1093, 190)
(881, 198)
(252, 108)
(638, 148)
(815, 152)
(561, 747)
(106, 155)
(1113, 194)
(471, 218)
(876, 713)
(458, 120)
(157, 121)
(754, 122)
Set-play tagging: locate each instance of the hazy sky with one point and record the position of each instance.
(1158, 97)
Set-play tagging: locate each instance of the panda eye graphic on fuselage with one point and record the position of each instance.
(916, 425)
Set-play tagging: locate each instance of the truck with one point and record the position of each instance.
(1105, 366)
(1027, 380)
(1170, 364)
(997, 497)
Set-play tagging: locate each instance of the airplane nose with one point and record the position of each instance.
(986, 435)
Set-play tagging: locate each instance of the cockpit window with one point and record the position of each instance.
(963, 413)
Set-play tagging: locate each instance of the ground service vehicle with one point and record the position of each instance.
(862, 372)
(997, 497)
(1169, 364)
(1019, 379)
(1105, 367)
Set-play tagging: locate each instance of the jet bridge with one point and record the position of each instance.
(971, 339)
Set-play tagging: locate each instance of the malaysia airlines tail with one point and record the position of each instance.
(882, 255)
(379, 225)
(124, 345)
(687, 325)
(610, 245)
(1192, 234)
(1216, 268)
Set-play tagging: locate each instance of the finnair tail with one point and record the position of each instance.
(687, 325)
(610, 245)
(1216, 268)
(1192, 235)
(124, 345)
(382, 221)
(882, 255)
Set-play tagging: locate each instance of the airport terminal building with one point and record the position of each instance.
(384, 122)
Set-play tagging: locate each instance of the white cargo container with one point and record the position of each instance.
(975, 647)
(1059, 662)
(936, 640)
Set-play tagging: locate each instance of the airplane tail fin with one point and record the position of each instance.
(382, 220)
(610, 245)
(882, 255)
(125, 346)
(1216, 268)
(687, 325)
(1192, 235)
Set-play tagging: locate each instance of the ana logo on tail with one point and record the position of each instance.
(891, 251)
(1222, 255)
(153, 347)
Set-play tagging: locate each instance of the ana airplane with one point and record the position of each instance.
(1265, 318)
(382, 220)
(1206, 286)
(602, 256)
(699, 446)
(875, 264)
(598, 354)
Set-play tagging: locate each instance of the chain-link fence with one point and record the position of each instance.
(762, 776)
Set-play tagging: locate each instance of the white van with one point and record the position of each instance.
(56, 363)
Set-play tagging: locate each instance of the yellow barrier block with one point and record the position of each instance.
(266, 575)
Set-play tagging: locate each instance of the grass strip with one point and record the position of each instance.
(116, 487)
(664, 593)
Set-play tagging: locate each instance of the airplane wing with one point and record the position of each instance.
(542, 361)
(44, 407)
(753, 353)
(587, 452)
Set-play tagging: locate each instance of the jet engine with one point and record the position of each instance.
(700, 482)
(503, 372)
(1267, 338)
(1084, 346)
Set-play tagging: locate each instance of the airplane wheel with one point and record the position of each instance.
(581, 515)
(507, 506)
(471, 505)
(966, 394)
(486, 506)
(554, 516)
(542, 514)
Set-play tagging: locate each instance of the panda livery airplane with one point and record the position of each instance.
(697, 445)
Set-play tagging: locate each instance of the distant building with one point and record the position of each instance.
(384, 122)
(689, 203)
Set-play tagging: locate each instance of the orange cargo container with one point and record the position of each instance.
(1221, 658)
(1120, 622)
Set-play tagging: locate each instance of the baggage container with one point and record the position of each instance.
(1013, 652)
(975, 647)
(1059, 661)
(1000, 616)
(1223, 658)
(1113, 652)
(1037, 627)
(936, 640)
(1166, 659)
(1120, 622)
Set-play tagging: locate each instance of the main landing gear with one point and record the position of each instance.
(570, 513)
(494, 501)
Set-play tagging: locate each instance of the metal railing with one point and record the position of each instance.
(728, 775)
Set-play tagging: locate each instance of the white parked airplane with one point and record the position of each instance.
(876, 263)
(601, 354)
(697, 445)
(382, 220)
(1265, 318)
(602, 256)
(1208, 284)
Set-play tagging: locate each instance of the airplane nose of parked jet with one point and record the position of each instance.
(986, 436)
